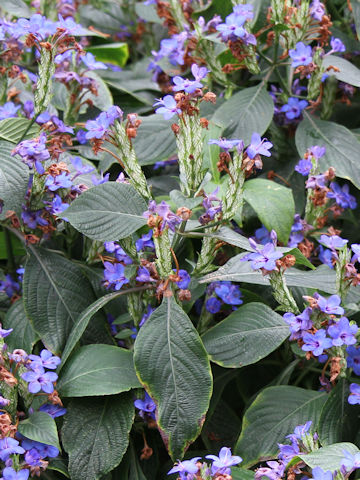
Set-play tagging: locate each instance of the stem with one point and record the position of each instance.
(9, 251)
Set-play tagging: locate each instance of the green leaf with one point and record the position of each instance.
(327, 458)
(274, 205)
(103, 100)
(248, 111)
(23, 335)
(96, 370)
(155, 141)
(175, 370)
(55, 293)
(245, 336)
(275, 413)
(13, 129)
(83, 321)
(107, 212)
(116, 53)
(18, 8)
(58, 465)
(238, 473)
(14, 179)
(41, 427)
(147, 12)
(356, 12)
(345, 71)
(339, 420)
(342, 147)
(96, 434)
(235, 270)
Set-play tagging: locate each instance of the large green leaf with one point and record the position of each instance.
(107, 212)
(155, 141)
(83, 321)
(327, 458)
(344, 70)
(248, 111)
(96, 434)
(339, 420)
(96, 370)
(18, 8)
(23, 335)
(15, 129)
(116, 53)
(235, 270)
(275, 413)
(342, 147)
(41, 427)
(172, 364)
(245, 336)
(55, 293)
(274, 205)
(14, 179)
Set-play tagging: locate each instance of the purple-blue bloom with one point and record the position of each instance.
(326, 256)
(258, 146)
(317, 10)
(342, 196)
(225, 460)
(144, 276)
(33, 152)
(229, 293)
(10, 474)
(168, 107)
(33, 219)
(225, 144)
(333, 242)
(355, 247)
(185, 84)
(342, 332)
(350, 462)
(300, 431)
(316, 343)
(9, 446)
(293, 108)
(298, 324)
(213, 305)
(264, 258)
(43, 449)
(185, 467)
(288, 452)
(145, 241)
(301, 55)
(53, 410)
(274, 471)
(184, 281)
(353, 359)
(97, 128)
(9, 110)
(46, 360)
(337, 45)
(354, 397)
(40, 380)
(331, 305)
(146, 406)
(319, 474)
(90, 62)
(114, 275)
(146, 315)
(304, 166)
(60, 181)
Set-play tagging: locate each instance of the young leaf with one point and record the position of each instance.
(274, 205)
(23, 335)
(14, 179)
(108, 212)
(342, 147)
(275, 413)
(172, 364)
(98, 370)
(248, 111)
(245, 336)
(41, 427)
(115, 53)
(96, 434)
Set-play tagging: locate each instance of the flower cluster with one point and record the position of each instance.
(220, 293)
(37, 377)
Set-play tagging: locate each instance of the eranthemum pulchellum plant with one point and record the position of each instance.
(179, 240)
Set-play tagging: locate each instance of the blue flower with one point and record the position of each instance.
(97, 128)
(199, 72)
(146, 315)
(262, 235)
(80, 168)
(33, 219)
(60, 181)
(229, 293)
(350, 462)
(225, 144)
(293, 108)
(9, 446)
(319, 474)
(184, 281)
(114, 275)
(168, 107)
(33, 152)
(342, 332)
(331, 305)
(10, 474)
(274, 471)
(353, 359)
(301, 55)
(45, 360)
(304, 166)
(337, 46)
(326, 256)
(145, 241)
(316, 343)
(258, 146)
(90, 62)
(8, 110)
(287, 452)
(333, 242)
(342, 196)
(40, 380)
(300, 431)
(9, 286)
(225, 460)
(146, 406)
(355, 247)
(57, 206)
(213, 305)
(144, 276)
(188, 86)
(298, 324)
(185, 467)
(317, 10)
(265, 258)
(354, 397)
(53, 410)
(43, 449)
